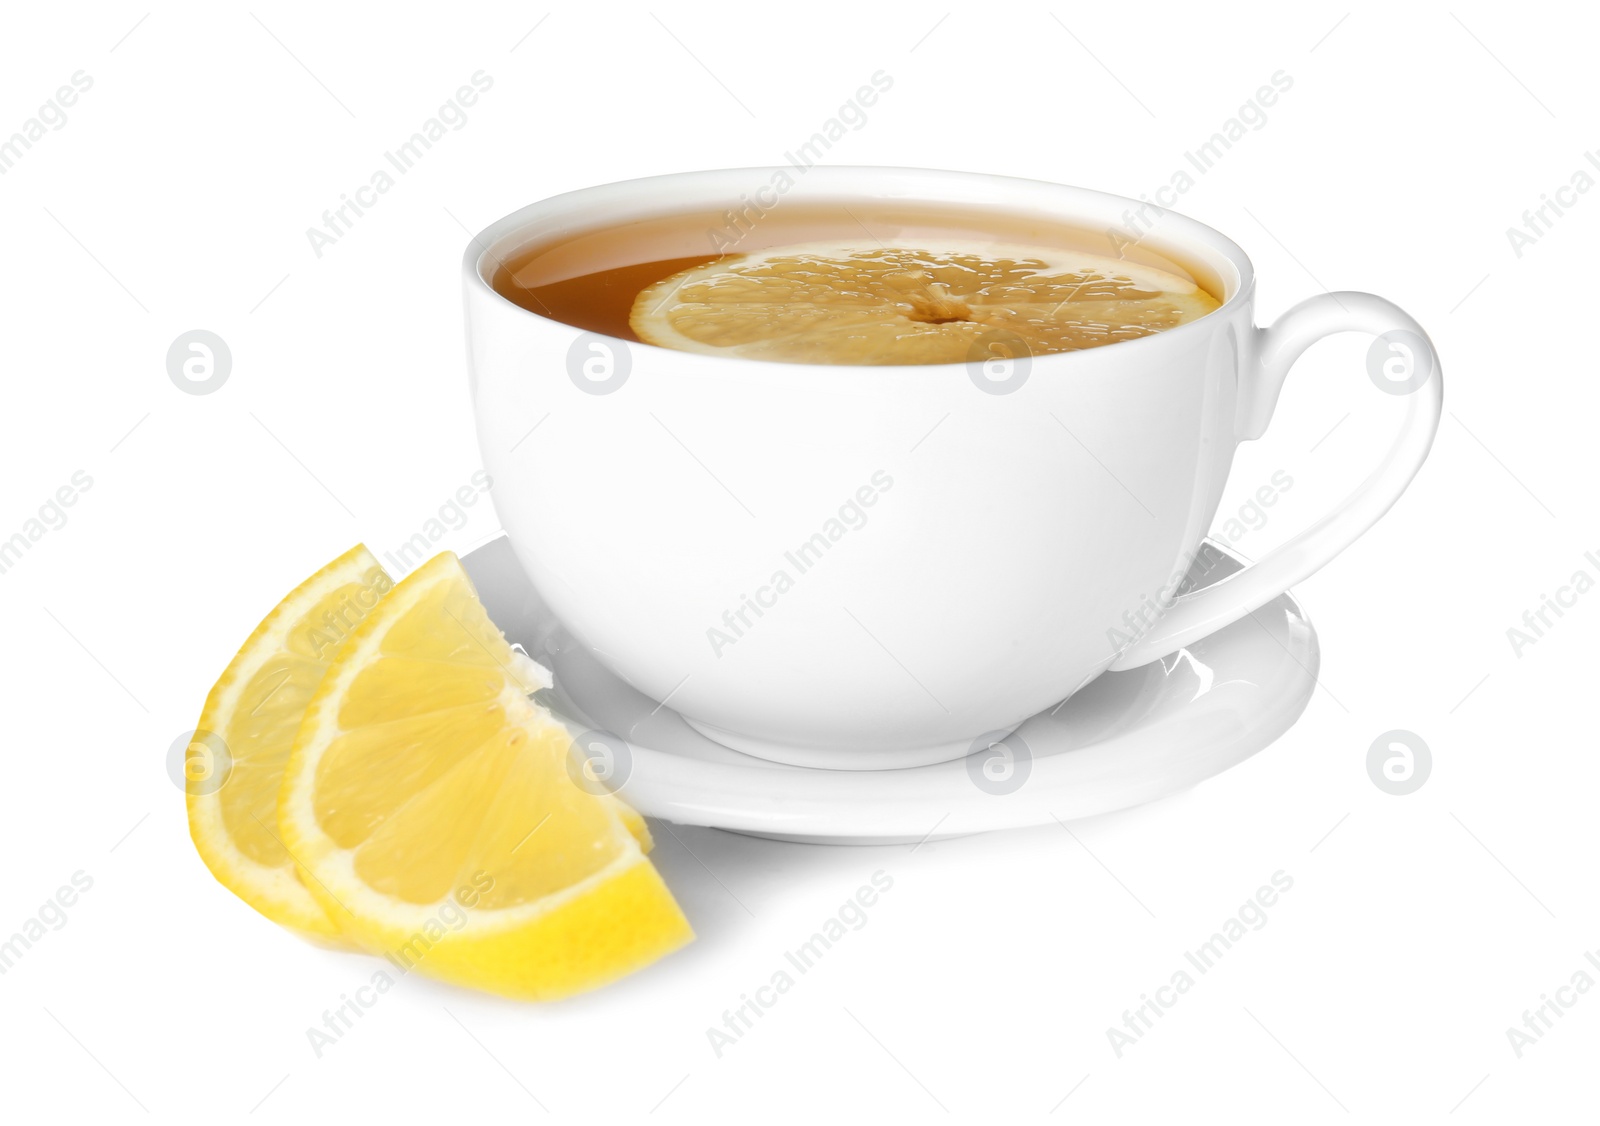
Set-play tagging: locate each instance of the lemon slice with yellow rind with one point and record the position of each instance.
(236, 760)
(439, 812)
(950, 302)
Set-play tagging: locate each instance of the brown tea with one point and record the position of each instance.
(866, 283)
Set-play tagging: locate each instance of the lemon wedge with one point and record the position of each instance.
(442, 816)
(862, 303)
(235, 761)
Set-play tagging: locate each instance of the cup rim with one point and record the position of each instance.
(1181, 231)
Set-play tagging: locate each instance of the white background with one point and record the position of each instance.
(1419, 928)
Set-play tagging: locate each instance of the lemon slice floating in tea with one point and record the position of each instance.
(444, 820)
(862, 303)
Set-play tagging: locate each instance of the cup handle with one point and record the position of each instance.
(1402, 349)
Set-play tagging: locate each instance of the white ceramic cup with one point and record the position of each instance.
(873, 567)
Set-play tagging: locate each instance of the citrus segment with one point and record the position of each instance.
(236, 762)
(426, 785)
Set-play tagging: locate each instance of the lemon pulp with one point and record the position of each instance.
(951, 302)
(241, 746)
(426, 788)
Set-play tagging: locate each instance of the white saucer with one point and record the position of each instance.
(1128, 738)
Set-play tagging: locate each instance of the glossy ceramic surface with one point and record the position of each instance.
(1128, 738)
(1004, 549)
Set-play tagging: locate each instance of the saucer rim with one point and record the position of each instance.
(1131, 767)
